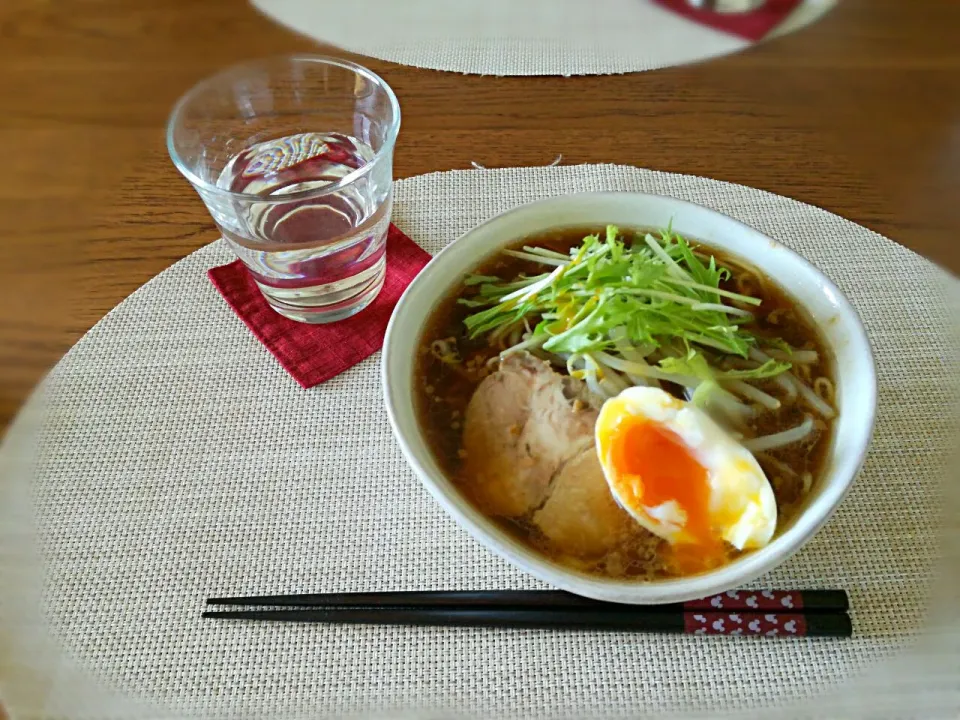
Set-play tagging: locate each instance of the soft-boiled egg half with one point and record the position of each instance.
(683, 478)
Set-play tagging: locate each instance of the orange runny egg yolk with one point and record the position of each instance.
(654, 467)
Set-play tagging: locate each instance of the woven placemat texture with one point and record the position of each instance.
(168, 457)
(507, 37)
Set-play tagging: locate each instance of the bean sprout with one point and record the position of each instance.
(785, 381)
(532, 343)
(591, 377)
(814, 400)
(808, 395)
(645, 370)
(751, 393)
(781, 467)
(780, 439)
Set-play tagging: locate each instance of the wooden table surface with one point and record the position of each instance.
(859, 114)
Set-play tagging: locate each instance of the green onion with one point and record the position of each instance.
(607, 297)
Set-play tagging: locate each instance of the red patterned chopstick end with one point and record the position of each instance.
(727, 623)
(749, 601)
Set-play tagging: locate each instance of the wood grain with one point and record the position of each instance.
(859, 114)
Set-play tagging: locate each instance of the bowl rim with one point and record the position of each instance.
(745, 569)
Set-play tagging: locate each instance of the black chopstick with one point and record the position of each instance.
(632, 619)
(740, 600)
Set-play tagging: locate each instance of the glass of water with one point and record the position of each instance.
(293, 157)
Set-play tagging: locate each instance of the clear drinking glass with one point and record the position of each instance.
(293, 157)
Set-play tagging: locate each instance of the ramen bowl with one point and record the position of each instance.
(841, 330)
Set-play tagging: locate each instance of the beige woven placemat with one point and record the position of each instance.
(518, 37)
(176, 460)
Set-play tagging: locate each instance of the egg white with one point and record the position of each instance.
(742, 506)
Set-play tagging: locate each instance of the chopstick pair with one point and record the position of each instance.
(771, 613)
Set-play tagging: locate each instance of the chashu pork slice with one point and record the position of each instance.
(522, 425)
(580, 516)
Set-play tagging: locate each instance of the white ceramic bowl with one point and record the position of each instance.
(838, 322)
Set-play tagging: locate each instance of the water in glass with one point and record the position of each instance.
(308, 251)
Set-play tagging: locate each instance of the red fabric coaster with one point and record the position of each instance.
(313, 354)
(754, 25)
